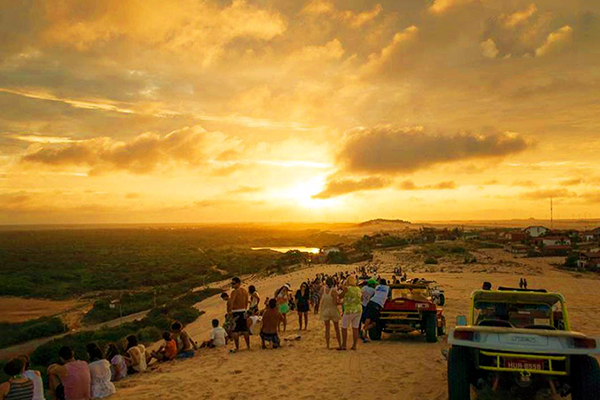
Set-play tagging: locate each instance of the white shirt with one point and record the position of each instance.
(38, 385)
(381, 294)
(218, 335)
(101, 385)
(367, 293)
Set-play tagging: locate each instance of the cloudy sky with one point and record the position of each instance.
(304, 110)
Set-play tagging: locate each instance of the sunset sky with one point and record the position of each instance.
(298, 110)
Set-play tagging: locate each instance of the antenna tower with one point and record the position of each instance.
(551, 214)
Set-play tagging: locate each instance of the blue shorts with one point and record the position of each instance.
(186, 354)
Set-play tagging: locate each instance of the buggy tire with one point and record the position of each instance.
(375, 332)
(442, 299)
(431, 329)
(441, 331)
(585, 378)
(459, 383)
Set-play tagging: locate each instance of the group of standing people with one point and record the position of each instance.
(335, 298)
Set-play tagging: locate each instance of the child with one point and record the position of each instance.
(270, 322)
(254, 323)
(167, 351)
(218, 336)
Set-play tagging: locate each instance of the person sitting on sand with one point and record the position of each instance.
(254, 299)
(270, 325)
(218, 335)
(167, 351)
(254, 323)
(375, 306)
(71, 379)
(18, 386)
(281, 296)
(352, 311)
(185, 344)
(100, 374)
(136, 356)
(237, 307)
(35, 377)
(302, 306)
(118, 365)
(330, 312)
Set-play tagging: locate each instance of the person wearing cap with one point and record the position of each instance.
(237, 307)
(368, 291)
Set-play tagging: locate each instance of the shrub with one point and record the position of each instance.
(431, 260)
(11, 334)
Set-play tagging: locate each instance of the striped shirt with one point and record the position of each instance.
(20, 391)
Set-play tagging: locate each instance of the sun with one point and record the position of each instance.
(303, 194)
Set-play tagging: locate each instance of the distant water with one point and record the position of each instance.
(303, 249)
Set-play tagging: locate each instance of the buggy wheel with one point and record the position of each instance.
(442, 299)
(375, 332)
(459, 386)
(431, 328)
(441, 330)
(585, 378)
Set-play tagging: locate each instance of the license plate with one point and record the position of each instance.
(524, 364)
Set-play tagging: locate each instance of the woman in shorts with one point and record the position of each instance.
(352, 311)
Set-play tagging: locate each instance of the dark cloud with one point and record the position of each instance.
(571, 182)
(393, 150)
(142, 154)
(410, 185)
(547, 194)
(524, 184)
(338, 187)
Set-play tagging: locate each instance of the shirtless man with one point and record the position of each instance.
(237, 308)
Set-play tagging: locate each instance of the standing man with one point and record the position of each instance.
(237, 308)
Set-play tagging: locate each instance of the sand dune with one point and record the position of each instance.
(401, 367)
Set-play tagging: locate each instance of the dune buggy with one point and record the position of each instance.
(409, 307)
(519, 342)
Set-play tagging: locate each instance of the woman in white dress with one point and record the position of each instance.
(101, 386)
(137, 356)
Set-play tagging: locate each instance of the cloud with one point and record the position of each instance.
(338, 187)
(489, 49)
(547, 194)
(141, 154)
(571, 182)
(396, 150)
(132, 195)
(385, 60)
(354, 19)
(555, 41)
(441, 6)
(518, 17)
(410, 185)
(524, 184)
(245, 190)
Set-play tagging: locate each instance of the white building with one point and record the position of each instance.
(536, 231)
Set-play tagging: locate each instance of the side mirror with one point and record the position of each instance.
(461, 320)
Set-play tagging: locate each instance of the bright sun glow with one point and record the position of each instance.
(303, 194)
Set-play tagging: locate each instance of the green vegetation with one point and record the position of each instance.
(367, 243)
(11, 334)
(431, 260)
(147, 330)
(336, 257)
(66, 263)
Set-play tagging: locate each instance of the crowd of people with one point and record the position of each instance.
(73, 379)
(335, 298)
(339, 297)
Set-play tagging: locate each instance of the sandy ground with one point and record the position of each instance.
(397, 367)
(16, 309)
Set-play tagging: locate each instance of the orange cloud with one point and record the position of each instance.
(555, 41)
(142, 154)
(393, 150)
(338, 187)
